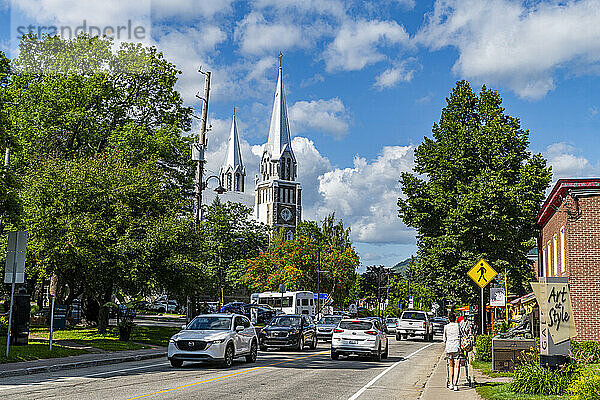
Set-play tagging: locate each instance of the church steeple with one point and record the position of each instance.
(278, 160)
(279, 131)
(233, 172)
(278, 201)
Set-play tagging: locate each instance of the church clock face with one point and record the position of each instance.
(286, 214)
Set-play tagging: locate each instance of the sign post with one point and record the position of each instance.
(51, 320)
(482, 274)
(14, 271)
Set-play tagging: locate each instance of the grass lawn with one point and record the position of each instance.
(486, 368)
(501, 391)
(35, 351)
(141, 337)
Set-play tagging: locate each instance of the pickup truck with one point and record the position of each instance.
(414, 323)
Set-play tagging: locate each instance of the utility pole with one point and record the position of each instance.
(198, 150)
(201, 147)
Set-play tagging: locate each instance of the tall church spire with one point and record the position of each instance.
(279, 131)
(233, 172)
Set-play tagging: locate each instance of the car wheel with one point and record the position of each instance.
(300, 343)
(176, 363)
(253, 350)
(313, 344)
(377, 356)
(398, 337)
(228, 356)
(386, 352)
(161, 310)
(335, 355)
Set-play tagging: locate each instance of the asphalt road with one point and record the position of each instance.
(310, 374)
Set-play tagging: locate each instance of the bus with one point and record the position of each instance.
(301, 302)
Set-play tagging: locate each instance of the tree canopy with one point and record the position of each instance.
(475, 193)
(326, 248)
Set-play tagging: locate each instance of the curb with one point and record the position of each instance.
(81, 364)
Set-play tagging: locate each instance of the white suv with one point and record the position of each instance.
(361, 337)
(221, 337)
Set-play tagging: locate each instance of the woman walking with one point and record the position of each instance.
(452, 340)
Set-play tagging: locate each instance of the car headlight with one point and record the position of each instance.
(172, 340)
(216, 341)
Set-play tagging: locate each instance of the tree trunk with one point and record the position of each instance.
(103, 314)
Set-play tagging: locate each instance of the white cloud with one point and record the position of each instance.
(328, 116)
(402, 72)
(520, 45)
(366, 196)
(257, 36)
(357, 44)
(408, 4)
(566, 164)
(187, 9)
(323, 7)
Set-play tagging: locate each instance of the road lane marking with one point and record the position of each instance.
(222, 377)
(385, 371)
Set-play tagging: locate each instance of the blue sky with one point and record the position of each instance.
(364, 83)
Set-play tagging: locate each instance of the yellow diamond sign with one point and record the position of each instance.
(482, 273)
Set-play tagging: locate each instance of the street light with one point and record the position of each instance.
(219, 189)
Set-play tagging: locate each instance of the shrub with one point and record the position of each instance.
(34, 309)
(483, 346)
(587, 386)
(531, 378)
(586, 352)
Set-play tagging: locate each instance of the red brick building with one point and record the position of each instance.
(569, 245)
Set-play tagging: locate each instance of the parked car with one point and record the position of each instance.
(414, 323)
(326, 325)
(221, 337)
(162, 306)
(438, 324)
(292, 331)
(361, 337)
(391, 324)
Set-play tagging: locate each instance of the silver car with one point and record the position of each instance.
(361, 337)
(220, 337)
(326, 325)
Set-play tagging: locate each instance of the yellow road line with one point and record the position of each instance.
(217, 378)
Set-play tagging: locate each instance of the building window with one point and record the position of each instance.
(544, 261)
(562, 249)
(290, 235)
(555, 248)
(549, 264)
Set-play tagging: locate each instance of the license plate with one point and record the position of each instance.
(353, 341)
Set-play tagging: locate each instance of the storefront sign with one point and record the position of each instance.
(555, 308)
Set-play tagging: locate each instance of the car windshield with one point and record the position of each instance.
(329, 320)
(210, 324)
(413, 315)
(356, 325)
(285, 321)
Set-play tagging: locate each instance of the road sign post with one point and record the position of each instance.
(482, 274)
(14, 271)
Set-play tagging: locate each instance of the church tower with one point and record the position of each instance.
(278, 201)
(233, 172)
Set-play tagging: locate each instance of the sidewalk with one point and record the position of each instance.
(435, 388)
(80, 361)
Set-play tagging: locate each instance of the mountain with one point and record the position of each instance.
(401, 267)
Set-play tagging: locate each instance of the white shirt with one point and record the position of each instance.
(452, 337)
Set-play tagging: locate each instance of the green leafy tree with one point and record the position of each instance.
(89, 221)
(73, 98)
(476, 194)
(9, 205)
(325, 248)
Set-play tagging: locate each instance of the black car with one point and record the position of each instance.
(291, 331)
(264, 313)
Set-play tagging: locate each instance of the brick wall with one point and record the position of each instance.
(582, 259)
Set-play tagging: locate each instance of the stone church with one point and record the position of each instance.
(278, 201)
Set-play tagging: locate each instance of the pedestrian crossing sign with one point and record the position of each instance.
(482, 273)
